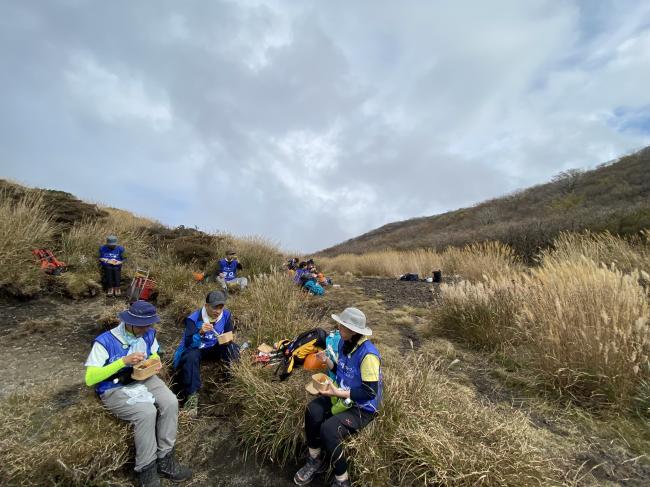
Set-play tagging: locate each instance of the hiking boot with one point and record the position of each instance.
(117, 291)
(148, 476)
(306, 474)
(191, 406)
(338, 483)
(109, 293)
(169, 468)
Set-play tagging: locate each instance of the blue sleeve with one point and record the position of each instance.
(219, 267)
(122, 254)
(228, 324)
(191, 337)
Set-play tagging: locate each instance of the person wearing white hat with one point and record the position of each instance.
(347, 406)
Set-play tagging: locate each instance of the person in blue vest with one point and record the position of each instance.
(111, 258)
(227, 272)
(200, 342)
(149, 404)
(347, 406)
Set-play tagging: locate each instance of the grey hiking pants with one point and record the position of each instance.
(241, 281)
(154, 424)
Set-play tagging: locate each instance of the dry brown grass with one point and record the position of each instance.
(50, 437)
(384, 264)
(482, 313)
(587, 329)
(270, 415)
(24, 226)
(471, 262)
(603, 248)
(272, 308)
(474, 261)
(431, 431)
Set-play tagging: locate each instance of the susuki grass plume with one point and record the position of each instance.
(483, 313)
(587, 329)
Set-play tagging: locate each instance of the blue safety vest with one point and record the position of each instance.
(116, 350)
(202, 341)
(229, 268)
(348, 373)
(105, 252)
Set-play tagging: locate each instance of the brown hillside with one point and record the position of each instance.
(614, 197)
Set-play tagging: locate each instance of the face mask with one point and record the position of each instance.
(130, 338)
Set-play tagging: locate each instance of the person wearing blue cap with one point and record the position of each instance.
(149, 404)
(111, 258)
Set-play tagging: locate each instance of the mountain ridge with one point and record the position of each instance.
(614, 197)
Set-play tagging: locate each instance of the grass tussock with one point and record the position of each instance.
(270, 414)
(472, 262)
(482, 313)
(431, 431)
(603, 248)
(271, 308)
(24, 226)
(50, 438)
(579, 324)
(587, 330)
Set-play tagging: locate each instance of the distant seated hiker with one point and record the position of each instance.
(149, 404)
(227, 272)
(322, 280)
(347, 406)
(292, 266)
(111, 257)
(301, 269)
(201, 341)
(310, 283)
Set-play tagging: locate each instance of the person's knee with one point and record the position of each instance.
(146, 414)
(167, 403)
(191, 356)
(315, 411)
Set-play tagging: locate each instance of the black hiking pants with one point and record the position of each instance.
(111, 276)
(327, 430)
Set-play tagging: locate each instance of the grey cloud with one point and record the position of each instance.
(309, 123)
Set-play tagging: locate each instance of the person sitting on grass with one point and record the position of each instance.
(347, 406)
(300, 270)
(149, 404)
(226, 273)
(200, 342)
(111, 257)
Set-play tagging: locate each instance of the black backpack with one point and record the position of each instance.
(409, 277)
(294, 351)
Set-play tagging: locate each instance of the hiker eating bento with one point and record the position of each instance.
(208, 336)
(227, 272)
(111, 257)
(345, 406)
(147, 404)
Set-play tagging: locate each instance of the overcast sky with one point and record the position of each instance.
(310, 122)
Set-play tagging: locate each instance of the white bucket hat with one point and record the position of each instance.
(353, 319)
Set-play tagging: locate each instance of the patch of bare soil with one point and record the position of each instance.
(396, 293)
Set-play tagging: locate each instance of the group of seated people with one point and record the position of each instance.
(342, 409)
(305, 274)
